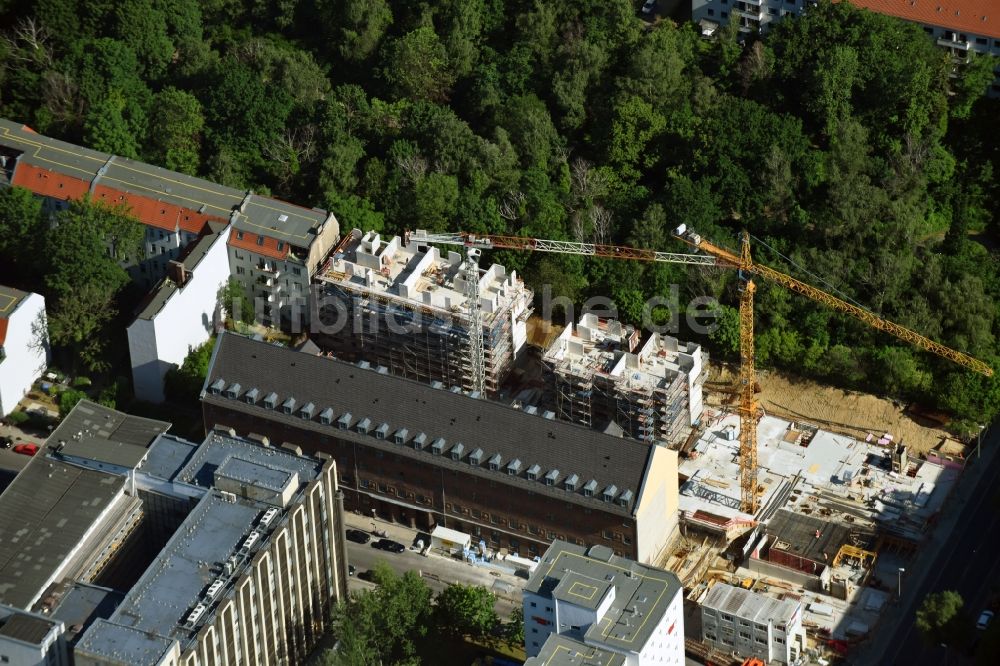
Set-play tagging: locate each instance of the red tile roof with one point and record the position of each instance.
(973, 17)
(155, 213)
(49, 183)
(3, 330)
(245, 240)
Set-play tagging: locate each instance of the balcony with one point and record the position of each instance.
(269, 269)
(951, 40)
(748, 11)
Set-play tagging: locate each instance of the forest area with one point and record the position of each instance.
(852, 147)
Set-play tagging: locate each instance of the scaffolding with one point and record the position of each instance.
(652, 393)
(407, 308)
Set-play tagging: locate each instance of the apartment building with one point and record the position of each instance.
(590, 602)
(179, 314)
(653, 392)
(274, 245)
(24, 347)
(31, 639)
(404, 306)
(426, 456)
(738, 621)
(960, 26)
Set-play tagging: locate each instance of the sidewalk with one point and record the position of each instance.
(870, 652)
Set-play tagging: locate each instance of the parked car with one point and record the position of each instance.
(984, 619)
(26, 449)
(648, 6)
(6, 442)
(351, 570)
(389, 545)
(357, 536)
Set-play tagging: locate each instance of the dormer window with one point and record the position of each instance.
(307, 411)
(400, 436)
(344, 422)
(419, 441)
(514, 467)
(233, 391)
(533, 472)
(217, 386)
(550, 478)
(288, 406)
(438, 446)
(382, 431)
(494, 462)
(609, 493)
(590, 488)
(271, 400)
(476, 457)
(625, 498)
(251, 396)
(571, 482)
(364, 425)
(326, 416)
(456, 451)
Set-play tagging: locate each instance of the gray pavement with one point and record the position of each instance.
(956, 555)
(436, 570)
(12, 463)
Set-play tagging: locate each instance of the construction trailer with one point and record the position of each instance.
(602, 375)
(405, 307)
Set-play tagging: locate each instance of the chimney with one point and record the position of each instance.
(177, 272)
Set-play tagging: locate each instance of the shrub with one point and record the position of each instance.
(81, 382)
(17, 418)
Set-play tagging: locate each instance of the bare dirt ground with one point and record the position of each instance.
(541, 332)
(847, 412)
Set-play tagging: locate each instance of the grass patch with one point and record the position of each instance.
(466, 651)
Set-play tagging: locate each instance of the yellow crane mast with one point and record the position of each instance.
(749, 410)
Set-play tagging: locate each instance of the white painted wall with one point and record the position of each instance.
(184, 322)
(24, 361)
(656, 511)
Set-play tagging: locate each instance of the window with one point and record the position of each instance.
(762, 641)
(779, 640)
(281, 245)
(744, 634)
(533, 604)
(296, 270)
(240, 270)
(711, 12)
(772, 11)
(608, 534)
(744, 623)
(981, 40)
(239, 235)
(727, 618)
(725, 14)
(260, 240)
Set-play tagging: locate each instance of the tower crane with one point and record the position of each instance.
(714, 255)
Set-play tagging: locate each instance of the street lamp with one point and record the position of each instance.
(373, 520)
(899, 586)
(979, 441)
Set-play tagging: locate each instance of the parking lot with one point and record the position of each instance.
(11, 463)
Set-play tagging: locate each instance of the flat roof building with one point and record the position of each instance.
(752, 624)
(426, 456)
(613, 605)
(30, 639)
(405, 306)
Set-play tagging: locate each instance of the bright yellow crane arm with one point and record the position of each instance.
(872, 319)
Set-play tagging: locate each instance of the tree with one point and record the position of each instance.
(940, 617)
(417, 66)
(357, 26)
(22, 227)
(234, 302)
(513, 629)
(466, 609)
(68, 400)
(183, 384)
(79, 322)
(175, 127)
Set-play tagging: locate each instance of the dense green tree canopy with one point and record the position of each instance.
(859, 156)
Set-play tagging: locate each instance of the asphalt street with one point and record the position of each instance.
(967, 563)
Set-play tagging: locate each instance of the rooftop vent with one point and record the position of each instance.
(382, 431)
(364, 365)
(531, 409)
(438, 446)
(214, 589)
(196, 614)
(382, 370)
(549, 414)
(419, 441)
(550, 478)
(456, 451)
(233, 391)
(344, 422)
(436, 384)
(610, 492)
(514, 467)
(269, 517)
(288, 406)
(494, 462)
(476, 457)
(271, 400)
(364, 425)
(326, 416)
(533, 472)
(455, 389)
(571, 482)
(217, 386)
(251, 540)
(251, 396)
(307, 411)
(589, 488)
(400, 436)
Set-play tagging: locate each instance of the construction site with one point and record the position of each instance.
(815, 506)
(405, 307)
(602, 375)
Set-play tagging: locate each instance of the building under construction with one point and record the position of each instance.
(653, 392)
(406, 307)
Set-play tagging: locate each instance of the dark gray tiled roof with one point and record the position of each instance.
(93, 420)
(419, 408)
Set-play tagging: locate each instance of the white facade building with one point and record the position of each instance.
(24, 347)
(752, 624)
(30, 639)
(581, 602)
(180, 314)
